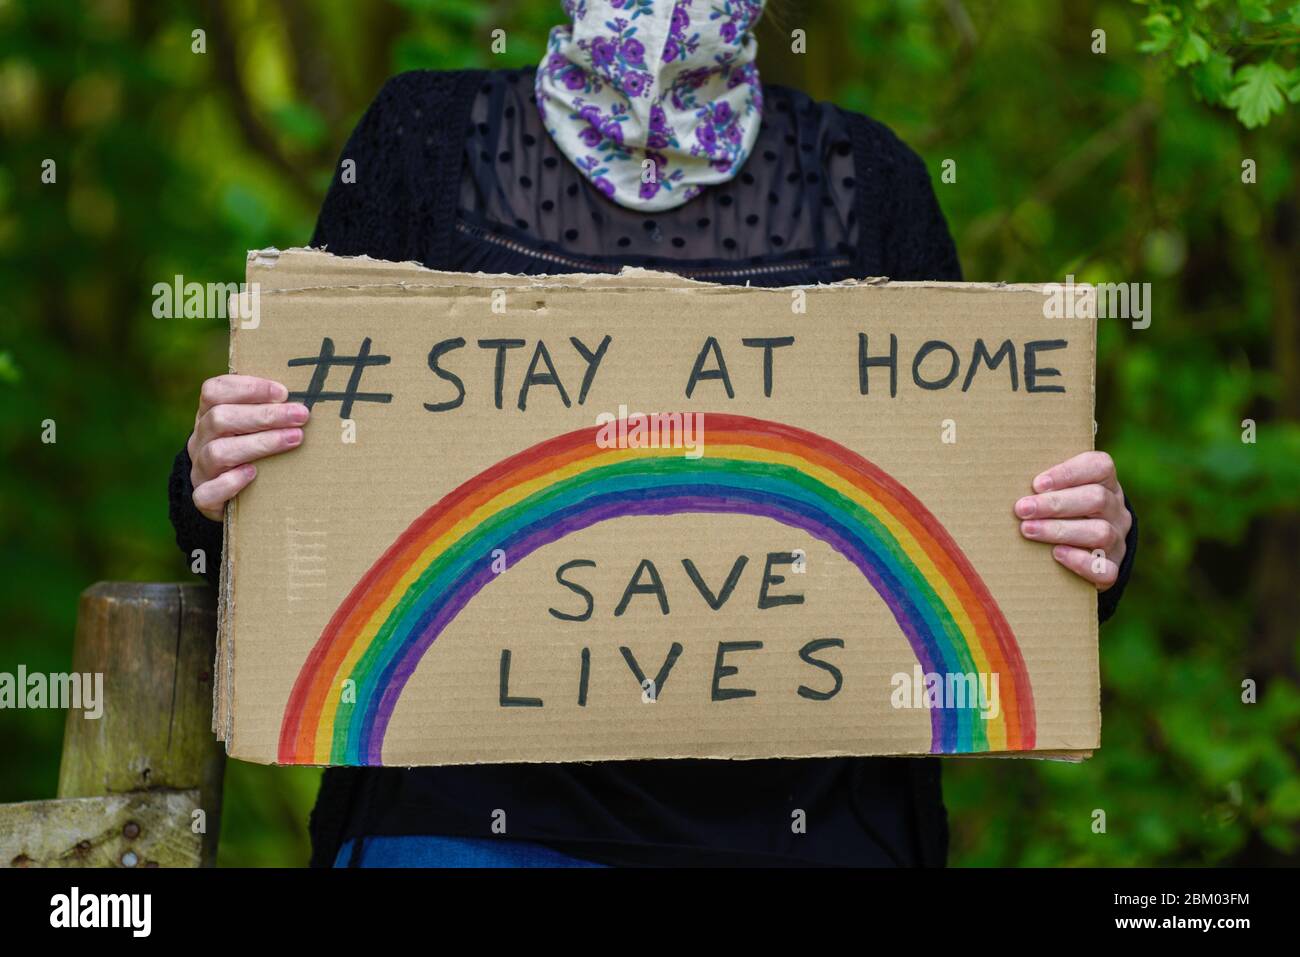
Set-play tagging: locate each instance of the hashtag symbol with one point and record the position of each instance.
(328, 360)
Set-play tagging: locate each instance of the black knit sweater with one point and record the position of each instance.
(454, 170)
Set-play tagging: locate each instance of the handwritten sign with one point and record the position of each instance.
(610, 517)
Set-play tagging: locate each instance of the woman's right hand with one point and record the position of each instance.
(240, 419)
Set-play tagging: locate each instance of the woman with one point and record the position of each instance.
(644, 138)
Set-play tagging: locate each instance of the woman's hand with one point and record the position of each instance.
(1080, 509)
(240, 419)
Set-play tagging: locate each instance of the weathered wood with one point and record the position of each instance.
(154, 645)
(139, 829)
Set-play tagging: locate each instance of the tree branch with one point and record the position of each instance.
(255, 134)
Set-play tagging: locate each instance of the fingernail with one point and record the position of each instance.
(1025, 507)
(250, 471)
(298, 414)
(1043, 483)
(294, 437)
(281, 392)
(1059, 553)
(1030, 529)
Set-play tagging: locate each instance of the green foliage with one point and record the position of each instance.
(1118, 166)
(1240, 54)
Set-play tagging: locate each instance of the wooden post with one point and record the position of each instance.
(154, 645)
(132, 779)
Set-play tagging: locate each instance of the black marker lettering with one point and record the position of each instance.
(806, 653)
(506, 700)
(865, 363)
(436, 353)
(576, 588)
(1032, 372)
(593, 360)
(700, 374)
(584, 678)
(655, 587)
(1005, 351)
(925, 350)
(661, 679)
(716, 601)
(500, 345)
(550, 377)
(721, 671)
(772, 601)
(767, 345)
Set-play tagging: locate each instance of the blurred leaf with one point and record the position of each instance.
(1213, 78)
(1258, 93)
(300, 122)
(10, 374)
(1285, 801)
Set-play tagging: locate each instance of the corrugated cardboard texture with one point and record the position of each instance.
(307, 531)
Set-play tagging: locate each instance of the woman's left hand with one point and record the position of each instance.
(1080, 510)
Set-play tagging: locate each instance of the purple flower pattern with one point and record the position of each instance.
(632, 87)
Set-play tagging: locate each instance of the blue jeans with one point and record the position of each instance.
(435, 851)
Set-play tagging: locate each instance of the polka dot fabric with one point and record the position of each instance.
(454, 170)
(790, 210)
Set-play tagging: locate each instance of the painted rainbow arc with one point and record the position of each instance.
(396, 611)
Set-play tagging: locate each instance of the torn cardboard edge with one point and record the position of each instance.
(223, 667)
(299, 268)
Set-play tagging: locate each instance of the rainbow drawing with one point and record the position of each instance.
(751, 466)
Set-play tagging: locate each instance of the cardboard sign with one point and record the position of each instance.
(583, 518)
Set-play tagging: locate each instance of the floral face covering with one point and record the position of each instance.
(669, 81)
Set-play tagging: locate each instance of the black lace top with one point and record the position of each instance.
(788, 217)
(454, 170)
